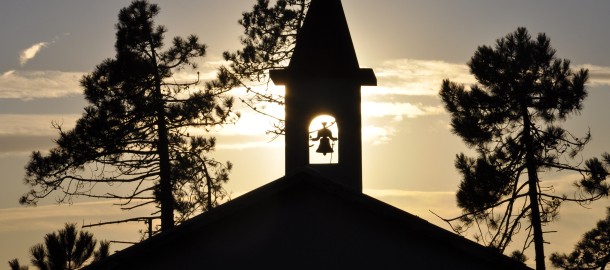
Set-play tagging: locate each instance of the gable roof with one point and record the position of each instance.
(306, 196)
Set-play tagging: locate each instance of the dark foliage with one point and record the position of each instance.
(135, 131)
(592, 252)
(269, 38)
(15, 265)
(511, 119)
(66, 249)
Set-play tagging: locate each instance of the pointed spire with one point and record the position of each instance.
(324, 44)
(324, 48)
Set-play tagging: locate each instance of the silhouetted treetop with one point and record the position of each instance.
(135, 130)
(510, 117)
(268, 43)
(592, 252)
(65, 249)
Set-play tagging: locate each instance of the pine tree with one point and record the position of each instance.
(65, 249)
(511, 119)
(15, 265)
(270, 34)
(135, 131)
(592, 252)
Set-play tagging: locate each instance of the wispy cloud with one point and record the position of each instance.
(251, 144)
(419, 203)
(416, 77)
(423, 77)
(39, 84)
(371, 134)
(400, 81)
(21, 134)
(28, 54)
(377, 135)
(22, 146)
(35, 124)
(24, 227)
(79, 210)
(598, 75)
(399, 110)
(31, 52)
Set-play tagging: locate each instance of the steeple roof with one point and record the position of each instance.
(324, 43)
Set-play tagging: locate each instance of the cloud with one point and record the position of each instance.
(31, 52)
(377, 135)
(416, 77)
(419, 203)
(252, 125)
(598, 75)
(251, 144)
(89, 212)
(12, 145)
(402, 78)
(30, 85)
(239, 139)
(35, 124)
(399, 110)
(11, 216)
(21, 134)
(39, 84)
(20, 228)
(423, 77)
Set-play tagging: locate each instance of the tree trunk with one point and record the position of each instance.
(208, 179)
(532, 175)
(165, 182)
(166, 198)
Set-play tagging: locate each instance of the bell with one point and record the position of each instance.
(324, 146)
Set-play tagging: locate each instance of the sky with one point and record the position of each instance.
(408, 147)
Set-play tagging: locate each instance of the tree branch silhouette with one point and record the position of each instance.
(510, 118)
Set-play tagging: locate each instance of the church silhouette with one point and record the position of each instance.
(316, 216)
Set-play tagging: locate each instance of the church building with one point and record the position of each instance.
(316, 216)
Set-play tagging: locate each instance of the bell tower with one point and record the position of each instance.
(324, 78)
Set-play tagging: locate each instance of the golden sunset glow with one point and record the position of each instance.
(408, 147)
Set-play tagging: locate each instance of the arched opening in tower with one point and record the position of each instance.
(323, 140)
